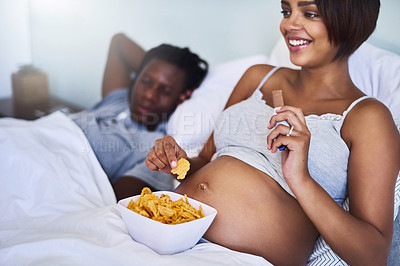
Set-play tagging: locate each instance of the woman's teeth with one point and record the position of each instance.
(298, 42)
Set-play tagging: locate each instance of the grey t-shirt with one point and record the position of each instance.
(120, 144)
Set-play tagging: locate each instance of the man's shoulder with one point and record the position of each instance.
(118, 99)
(115, 96)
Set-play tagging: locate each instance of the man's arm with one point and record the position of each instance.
(124, 57)
(128, 186)
(139, 176)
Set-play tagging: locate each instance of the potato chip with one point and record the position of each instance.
(182, 168)
(163, 209)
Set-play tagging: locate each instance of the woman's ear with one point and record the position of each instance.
(184, 96)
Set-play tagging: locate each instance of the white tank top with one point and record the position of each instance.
(241, 132)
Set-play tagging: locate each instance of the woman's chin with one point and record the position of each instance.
(300, 62)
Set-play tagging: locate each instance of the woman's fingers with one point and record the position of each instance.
(154, 161)
(281, 130)
(289, 117)
(164, 154)
(180, 153)
(170, 147)
(279, 134)
(297, 111)
(151, 161)
(294, 116)
(161, 154)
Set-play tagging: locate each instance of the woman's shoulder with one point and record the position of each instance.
(261, 70)
(248, 83)
(257, 73)
(369, 110)
(369, 119)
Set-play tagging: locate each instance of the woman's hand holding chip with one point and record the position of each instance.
(164, 155)
(297, 140)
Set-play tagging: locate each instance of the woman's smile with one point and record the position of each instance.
(296, 44)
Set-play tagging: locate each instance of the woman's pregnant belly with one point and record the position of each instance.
(255, 215)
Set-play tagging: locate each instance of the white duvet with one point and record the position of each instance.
(57, 206)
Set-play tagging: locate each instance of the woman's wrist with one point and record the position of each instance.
(300, 182)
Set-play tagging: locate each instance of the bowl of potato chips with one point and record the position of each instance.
(165, 221)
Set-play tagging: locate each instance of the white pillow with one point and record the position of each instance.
(377, 73)
(193, 121)
(373, 70)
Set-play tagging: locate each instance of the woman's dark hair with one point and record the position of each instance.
(195, 68)
(349, 22)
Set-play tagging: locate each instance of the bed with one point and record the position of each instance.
(57, 206)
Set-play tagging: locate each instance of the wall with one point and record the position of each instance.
(70, 37)
(15, 43)
(387, 31)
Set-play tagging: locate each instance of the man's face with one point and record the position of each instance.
(156, 92)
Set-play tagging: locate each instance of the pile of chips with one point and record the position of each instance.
(163, 209)
(182, 168)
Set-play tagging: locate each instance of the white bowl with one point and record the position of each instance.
(166, 238)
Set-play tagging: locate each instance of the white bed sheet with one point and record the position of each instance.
(57, 206)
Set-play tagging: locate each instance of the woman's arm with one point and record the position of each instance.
(362, 236)
(124, 57)
(243, 90)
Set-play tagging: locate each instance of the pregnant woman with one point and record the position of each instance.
(339, 143)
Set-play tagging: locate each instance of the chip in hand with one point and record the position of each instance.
(182, 168)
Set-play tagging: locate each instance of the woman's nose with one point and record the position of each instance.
(293, 22)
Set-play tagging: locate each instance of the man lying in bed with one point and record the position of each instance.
(123, 126)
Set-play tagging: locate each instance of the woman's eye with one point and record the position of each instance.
(311, 15)
(285, 13)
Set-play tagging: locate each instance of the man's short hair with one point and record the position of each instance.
(349, 22)
(195, 68)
